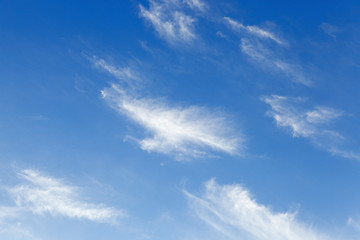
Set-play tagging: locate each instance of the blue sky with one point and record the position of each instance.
(179, 119)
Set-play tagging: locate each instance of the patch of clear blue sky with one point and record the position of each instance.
(52, 116)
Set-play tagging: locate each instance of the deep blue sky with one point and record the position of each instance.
(179, 119)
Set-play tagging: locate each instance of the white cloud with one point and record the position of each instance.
(124, 74)
(231, 210)
(41, 194)
(254, 30)
(197, 4)
(183, 131)
(220, 34)
(303, 123)
(344, 153)
(16, 231)
(263, 56)
(169, 21)
(312, 124)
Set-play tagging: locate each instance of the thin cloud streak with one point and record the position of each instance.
(41, 194)
(124, 74)
(231, 210)
(254, 31)
(186, 132)
(265, 58)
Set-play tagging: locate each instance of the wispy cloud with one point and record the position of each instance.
(197, 5)
(7, 212)
(231, 210)
(344, 153)
(312, 124)
(303, 123)
(263, 56)
(123, 74)
(16, 231)
(353, 223)
(330, 29)
(41, 194)
(254, 31)
(182, 131)
(169, 21)
(256, 43)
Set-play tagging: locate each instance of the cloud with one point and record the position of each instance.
(353, 223)
(266, 59)
(329, 29)
(124, 74)
(197, 4)
(312, 124)
(265, 54)
(169, 21)
(344, 153)
(181, 131)
(41, 194)
(231, 210)
(16, 231)
(303, 123)
(254, 31)
(7, 212)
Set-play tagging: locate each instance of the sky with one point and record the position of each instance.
(179, 120)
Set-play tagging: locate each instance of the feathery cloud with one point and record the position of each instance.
(42, 194)
(231, 210)
(311, 124)
(302, 123)
(183, 131)
(254, 31)
(197, 4)
(169, 21)
(263, 56)
(124, 74)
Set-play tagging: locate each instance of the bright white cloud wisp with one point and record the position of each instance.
(123, 74)
(312, 124)
(42, 194)
(303, 123)
(254, 31)
(197, 4)
(182, 131)
(231, 210)
(169, 21)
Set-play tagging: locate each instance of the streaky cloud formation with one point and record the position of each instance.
(169, 21)
(344, 153)
(41, 194)
(302, 123)
(186, 132)
(197, 4)
(254, 31)
(266, 59)
(123, 74)
(231, 210)
(312, 124)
